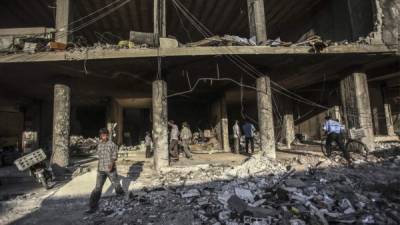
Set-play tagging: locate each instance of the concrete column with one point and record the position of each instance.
(389, 119)
(159, 19)
(265, 116)
(288, 129)
(62, 20)
(335, 113)
(61, 125)
(257, 25)
(375, 120)
(115, 121)
(224, 126)
(356, 105)
(160, 124)
(220, 118)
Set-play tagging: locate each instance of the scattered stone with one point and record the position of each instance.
(244, 194)
(191, 193)
(295, 183)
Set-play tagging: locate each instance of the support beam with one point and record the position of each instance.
(288, 128)
(62, 20)
(115, 121)
(389, 119)
(225, 126)
(388, 114)
(257, 25)
(220, 117)
(61, 126)
(335, 113)
(159, 19)
(356, 105)
(288, 133)
(265, 116)
(160, 125)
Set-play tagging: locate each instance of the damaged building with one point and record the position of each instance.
(70, 67)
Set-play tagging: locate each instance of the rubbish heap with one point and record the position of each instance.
(262, 191)
(83, 146)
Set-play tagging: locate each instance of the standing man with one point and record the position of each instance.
(107, 153)
(249, 129)
(174, 140)
(333, 129)
(148, 142)
(186, 137)
(236, 137)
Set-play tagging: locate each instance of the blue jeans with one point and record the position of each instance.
(100, 180)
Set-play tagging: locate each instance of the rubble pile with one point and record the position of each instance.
(392, 145)
(80, 145)
(124, 148)
(262, 191)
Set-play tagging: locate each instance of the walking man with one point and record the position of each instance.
(236, 137)
(107, 153)
(248, 130)
(333, 130)
(186, 137)
(174, 140)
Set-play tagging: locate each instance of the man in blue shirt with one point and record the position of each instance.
(248, 131)
(333, 130)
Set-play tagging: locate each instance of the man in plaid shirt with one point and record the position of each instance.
(107, 153)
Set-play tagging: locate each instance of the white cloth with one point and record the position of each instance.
(174, 132)
(236, 131)
(186, 134)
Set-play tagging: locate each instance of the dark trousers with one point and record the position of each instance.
(148, 151)
(173, 149)
(101, 178)
(251, 140)
(338, 139)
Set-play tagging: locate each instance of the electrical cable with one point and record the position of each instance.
(245, 66)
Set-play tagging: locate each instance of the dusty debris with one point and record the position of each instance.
(80, 170)
(80, 145)
(261, 191)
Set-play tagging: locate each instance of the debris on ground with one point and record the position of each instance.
(83, 146)
(80, 170)
(124, 148)
(263, 191)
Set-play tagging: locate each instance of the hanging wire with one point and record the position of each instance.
(244, 65)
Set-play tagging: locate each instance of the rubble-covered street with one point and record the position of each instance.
(190, 112)
(305, 189)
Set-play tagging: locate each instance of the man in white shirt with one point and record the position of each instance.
(236, 137)
(186, 137)
(174, 140)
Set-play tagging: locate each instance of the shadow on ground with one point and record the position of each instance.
(371, 190)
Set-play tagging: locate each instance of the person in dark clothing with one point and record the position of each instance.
(334, 130)
(248, 130)
(107, 153)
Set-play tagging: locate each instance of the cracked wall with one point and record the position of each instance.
(390, 19)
